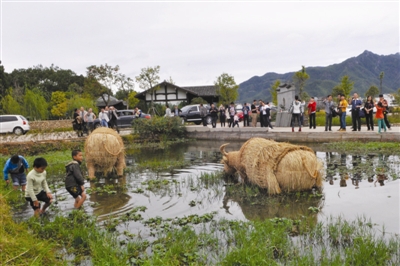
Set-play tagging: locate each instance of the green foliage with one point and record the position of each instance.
(77, 102)
(397, 96)
(159, 128)
(35, 105)
(347, 86)
(274, 92)
(58, 104)
(227, 89)
(110, 78)
(198, 100)
(147, 79)
(373, 91)
(9, 105)
(132, 100)
(299, 79)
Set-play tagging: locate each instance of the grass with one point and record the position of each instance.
(18, 245)
(358, 147)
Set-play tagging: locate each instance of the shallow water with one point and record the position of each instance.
(181, 192)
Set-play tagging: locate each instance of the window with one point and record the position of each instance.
(8, 119)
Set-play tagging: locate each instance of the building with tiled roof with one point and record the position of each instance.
(166, 92)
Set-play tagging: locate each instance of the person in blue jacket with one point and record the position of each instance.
(16, 166)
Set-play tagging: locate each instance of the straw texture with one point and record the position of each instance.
(279, 167)
(104, 151)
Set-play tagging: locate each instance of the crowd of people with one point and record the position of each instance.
(83, 121)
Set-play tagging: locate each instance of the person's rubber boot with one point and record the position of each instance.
(292, 129)
(299, 129)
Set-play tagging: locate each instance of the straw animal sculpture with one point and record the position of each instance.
(104, 151)
(279, 167)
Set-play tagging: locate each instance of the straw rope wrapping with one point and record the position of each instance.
(280, 167)
(104, 149)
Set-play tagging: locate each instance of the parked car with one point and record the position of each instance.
(124, 119)
(16, 124)
(191, 113)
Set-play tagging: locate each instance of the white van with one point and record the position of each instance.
(16, 124)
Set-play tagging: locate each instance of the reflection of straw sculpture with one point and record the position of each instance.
(104, 150)
(276, 166)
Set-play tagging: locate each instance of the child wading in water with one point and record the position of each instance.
(74, 180)
(37, 188)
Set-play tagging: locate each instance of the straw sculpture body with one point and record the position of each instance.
(104, 151)
(279, 167)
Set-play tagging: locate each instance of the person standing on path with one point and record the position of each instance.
(222, 115)
(385, 111)
(369, 109)
(356, 105)
(113, 118)
(268, 121)
(246, 113)
(167, 111)
(253, 114)
(328, 112)
(379, 115)
(214, 115)
(232, 113)
(312, 108)
(203, 114)
(103, 118)
(343, 105)
(82, 113)
(90, 117)
(297, 110)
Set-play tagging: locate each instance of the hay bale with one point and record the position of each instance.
(104, 151)
(276, 166)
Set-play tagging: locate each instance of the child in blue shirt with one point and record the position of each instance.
(16, 166)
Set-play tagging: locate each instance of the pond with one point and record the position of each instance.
(186, 179)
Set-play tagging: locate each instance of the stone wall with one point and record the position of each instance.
(50, 124)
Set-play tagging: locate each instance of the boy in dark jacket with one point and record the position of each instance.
(74, 180)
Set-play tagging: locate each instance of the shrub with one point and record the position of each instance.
(159, 128)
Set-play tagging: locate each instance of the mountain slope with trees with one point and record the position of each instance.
(364, 70)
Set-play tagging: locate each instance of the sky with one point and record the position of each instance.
(194, 42)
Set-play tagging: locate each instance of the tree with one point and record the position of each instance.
(77, 101)
(337, 90)
(110, 78)
(373, 91)
(227, 89)
(397, 97)
(35, 105)
(132, 100)
(147, 79)
(274, 92)
(381, 75)
(58, 104)
(299, 79)
(347, 86)
(9, 105)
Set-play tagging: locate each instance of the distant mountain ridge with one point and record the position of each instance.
(364, 70)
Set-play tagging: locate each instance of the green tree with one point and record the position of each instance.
(274, 92)
(227, 89)
(397, 97)
(110, 78)
(9, 105)
(35, 105)
(78, 101)
(373, 91)
(299, 79)
(58, 104)
(381, 75)
(347, 86)
(132, 100)
(147, 80)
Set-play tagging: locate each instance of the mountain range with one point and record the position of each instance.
(363, 70)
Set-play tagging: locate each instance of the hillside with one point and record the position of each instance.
(364, 70)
